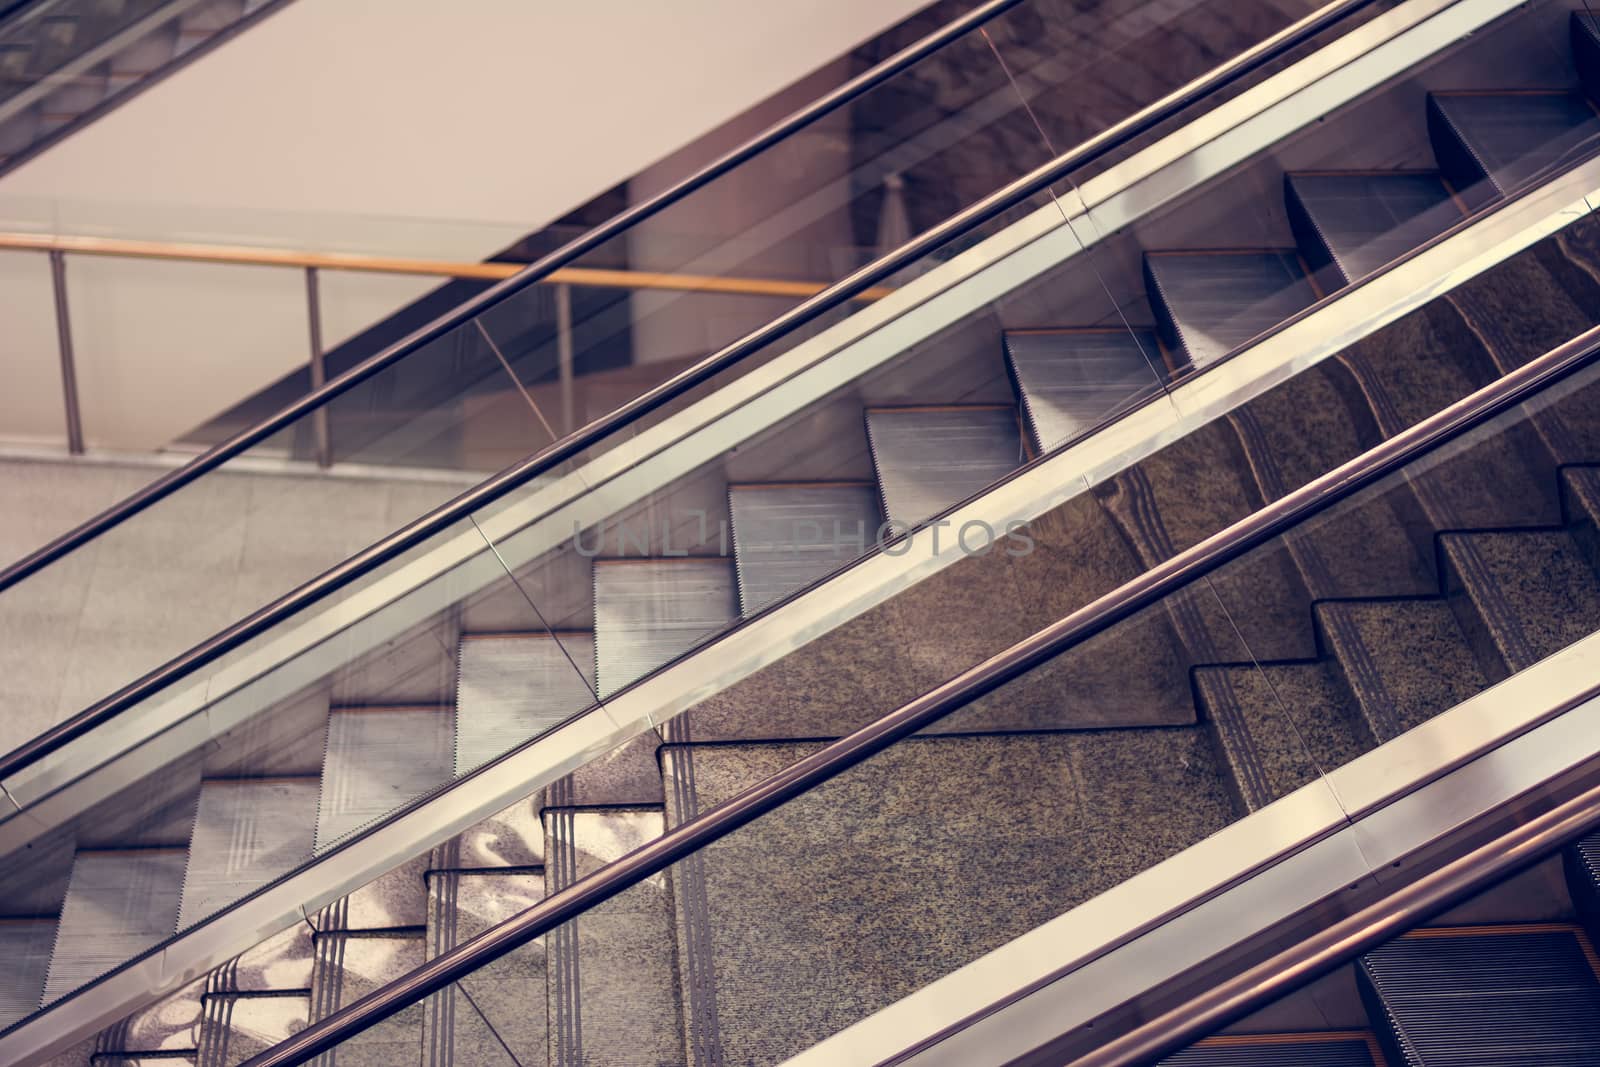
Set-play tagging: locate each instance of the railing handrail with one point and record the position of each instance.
(835, 758)
(469, 309)
(359, 262)
(580, 441)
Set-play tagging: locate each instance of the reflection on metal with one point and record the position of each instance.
(69, 370)
(319, 369)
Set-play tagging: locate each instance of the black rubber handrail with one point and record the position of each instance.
(467, 311)
(574, 444)
(1145, 591)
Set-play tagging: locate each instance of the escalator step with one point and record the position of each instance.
(929, 458)
(1209, 303)
(650, 611)
(351, 965)
(787, 536)
(1582, 864)
(246, 833)
(172, 1024)
(800, 924)
(509, 992)
(613, 991)
(1488, 144)
(513, 687)
(1586, 51)
(378, 759)
(1531, 592)
(1485, 995)
(1279, 723)
(118, 904)
(1353, 224)
(1071, 381)
(25, 946)
(237, 1026)
(1342, 1049)
(1404, 661)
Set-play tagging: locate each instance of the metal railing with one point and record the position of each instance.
(574, 444)
(59, 246)
(841, 755)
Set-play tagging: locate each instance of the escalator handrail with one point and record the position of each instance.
(470, 309)
(580, 441)
(1145, 591)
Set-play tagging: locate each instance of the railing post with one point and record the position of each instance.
(69, 369)
(564, 355)
(319, 370)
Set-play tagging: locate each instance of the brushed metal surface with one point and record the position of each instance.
(930, 458)
(787, 536)
(517, 686)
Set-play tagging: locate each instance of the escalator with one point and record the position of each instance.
(1037, 800)
(1509, 976)
(63, 63)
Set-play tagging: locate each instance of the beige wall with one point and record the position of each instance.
(389, 126)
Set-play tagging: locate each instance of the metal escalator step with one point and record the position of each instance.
(118, 904)
(1582, 864)
(513, 687)
(1487, 144)
(1278, 724)
(1070, 381)
(929, 458)
(613, 980)
(650, 611)
(246, 833)
(238, 1026)
(25, 946)
(1586, 51)
(787, 536)
(1357, 223)
(1519, 994)
(1404, 661)
(1531, 592)
(377, 760)
(1209, 303)
(1350, 1048)
(494, 1017)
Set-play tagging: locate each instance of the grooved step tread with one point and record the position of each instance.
(787, 536)
(1070, 381)
(1357, 223)
(25, 946)
(1340, 1049)
(378, 759)
(1499, 141)
(1437, 987)
(648, 612)
(928, 459)
(515, 687)
(246, 833)
(118, 904)
(1209, 303)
